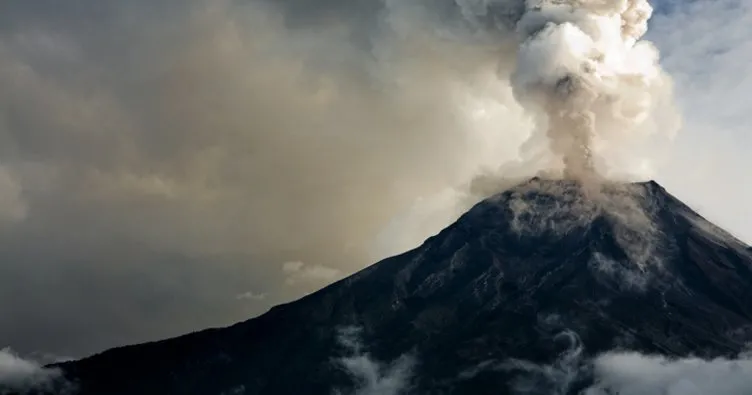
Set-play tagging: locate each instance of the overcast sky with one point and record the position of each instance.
(167, 166)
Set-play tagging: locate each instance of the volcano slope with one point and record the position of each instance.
(544, 267)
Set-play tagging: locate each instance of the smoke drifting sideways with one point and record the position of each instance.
(159, 158)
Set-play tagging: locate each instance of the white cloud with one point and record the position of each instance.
(373, 377)
(299, 272)
(250, 295)
(631, 373)
(292, 266)
(21, 375)
(623, 373)
(636, 374)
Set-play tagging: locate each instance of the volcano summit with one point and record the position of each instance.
(517, 296)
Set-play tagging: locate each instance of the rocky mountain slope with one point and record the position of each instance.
(530, 274)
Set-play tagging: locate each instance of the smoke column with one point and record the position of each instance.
(583, 69)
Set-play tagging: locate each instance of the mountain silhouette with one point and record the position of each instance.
(529, 274)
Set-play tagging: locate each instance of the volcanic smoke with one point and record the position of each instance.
(583, 68)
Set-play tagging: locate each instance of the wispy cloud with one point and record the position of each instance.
(250, 295)
(298, 272)
(21, 376)
(372, 377)
(623, 373)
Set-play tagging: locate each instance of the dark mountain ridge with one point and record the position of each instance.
(615, 266)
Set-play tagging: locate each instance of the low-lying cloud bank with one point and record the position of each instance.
(636, 374)
(631, 373)
(570, 373)
(624, 373)
(21, 376)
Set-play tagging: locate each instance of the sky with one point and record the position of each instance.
(705, 45)
(167, 166)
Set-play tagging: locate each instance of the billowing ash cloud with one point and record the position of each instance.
(584, 70)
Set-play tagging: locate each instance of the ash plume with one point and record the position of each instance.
(592, 82)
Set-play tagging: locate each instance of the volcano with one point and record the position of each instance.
(529, 274)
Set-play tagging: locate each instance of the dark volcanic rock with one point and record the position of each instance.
(619, 266)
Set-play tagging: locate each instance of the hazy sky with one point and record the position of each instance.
(707, 47)
(167, 165)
